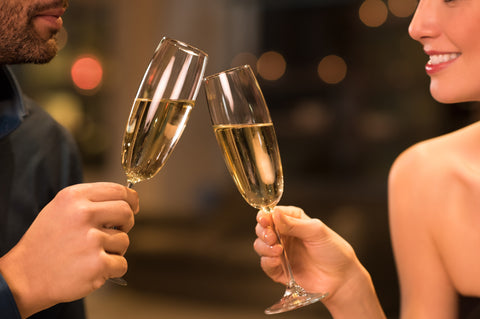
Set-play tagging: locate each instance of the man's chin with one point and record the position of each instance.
(39, 55)
(43, 51)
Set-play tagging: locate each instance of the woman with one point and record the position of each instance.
(434, 197)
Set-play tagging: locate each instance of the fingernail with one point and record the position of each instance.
(267, 236)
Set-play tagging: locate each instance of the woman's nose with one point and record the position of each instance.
(424, 23)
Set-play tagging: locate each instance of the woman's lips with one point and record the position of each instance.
(439, 61)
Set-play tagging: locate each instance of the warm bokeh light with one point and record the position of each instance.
(65, 108)
(244, 58)
(87, 73)
(377, 126)
(332, 69)
(311, 117)
(271, 65)
(402, 8)
(373, 13)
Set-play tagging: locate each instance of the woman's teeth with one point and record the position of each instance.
(442, 58)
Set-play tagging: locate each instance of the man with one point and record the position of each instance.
(58, 243)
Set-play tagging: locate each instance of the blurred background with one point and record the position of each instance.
(347, 92)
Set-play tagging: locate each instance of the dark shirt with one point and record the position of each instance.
(469, 307)
(37, 159)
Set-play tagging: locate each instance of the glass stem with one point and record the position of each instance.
(285, 263)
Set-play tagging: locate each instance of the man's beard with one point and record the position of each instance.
(19, 42)
(28, 48)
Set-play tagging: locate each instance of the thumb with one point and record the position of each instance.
(304, 229)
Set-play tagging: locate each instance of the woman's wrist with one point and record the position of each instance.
(356, 298)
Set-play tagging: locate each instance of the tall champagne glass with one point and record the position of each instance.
(161, 109)
(245, 133)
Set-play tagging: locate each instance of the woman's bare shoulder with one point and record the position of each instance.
(439, 157)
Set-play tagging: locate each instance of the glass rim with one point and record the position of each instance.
(240, 67)
(183, 45)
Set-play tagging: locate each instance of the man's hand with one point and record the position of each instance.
(74, 245)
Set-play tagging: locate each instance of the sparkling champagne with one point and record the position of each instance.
(253, 159)
(151, 134)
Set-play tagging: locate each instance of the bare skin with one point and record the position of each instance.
(434, 194)
(28, 29)
(434, 186)
(321, 260)
(435, 221)
(70, 250)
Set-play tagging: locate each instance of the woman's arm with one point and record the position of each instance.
(414, 208)
(321, 260)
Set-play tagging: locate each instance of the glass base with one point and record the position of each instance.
(119, 281)
(294, 298)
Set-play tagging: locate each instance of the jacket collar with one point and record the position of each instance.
(12, 106)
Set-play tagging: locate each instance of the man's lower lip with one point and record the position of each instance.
(52, 21)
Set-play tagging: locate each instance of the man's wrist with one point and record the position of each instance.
(28, 301)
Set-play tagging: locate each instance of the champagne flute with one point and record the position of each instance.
(161, 109)
(245, 133)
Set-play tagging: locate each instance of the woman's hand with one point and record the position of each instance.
(318, 256)
(321, 260)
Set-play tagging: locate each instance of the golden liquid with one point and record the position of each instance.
(253, 159)
(150, 136)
